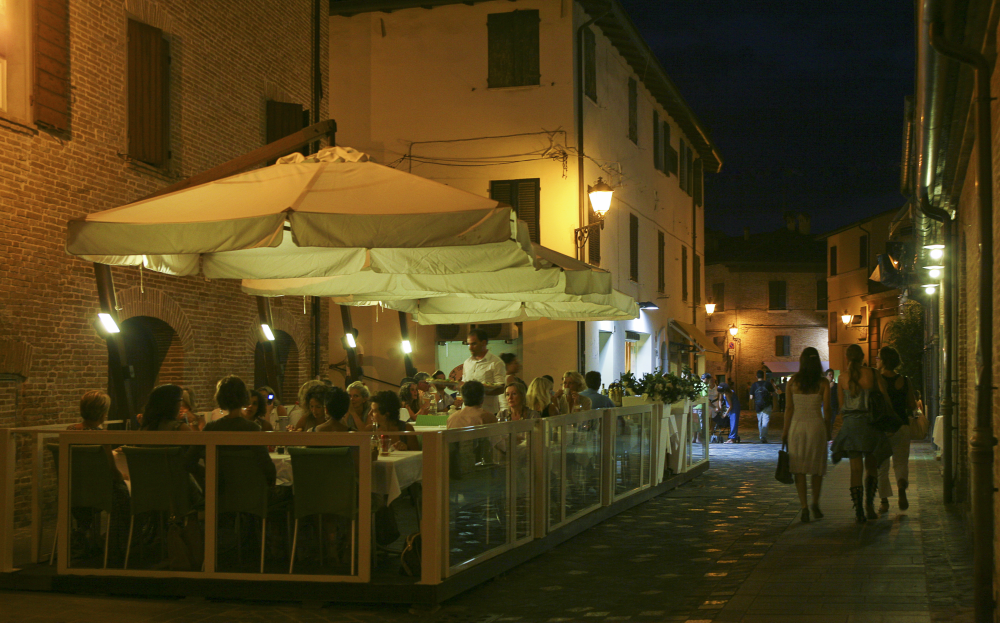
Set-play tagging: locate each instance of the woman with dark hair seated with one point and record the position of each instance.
(337, 404)
(315, 408)
(231, 395)
(163, 409)
(256, 411)
(385, 411)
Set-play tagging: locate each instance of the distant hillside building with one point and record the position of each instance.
(771, 288)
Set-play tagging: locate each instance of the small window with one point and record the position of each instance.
(661, 269)
(833, 261)
(821, 295)
(777, 295)
(684, 273)
(863, 252)
(834, 322)
(590, 64)
(51, 96)
(633, 111)
(523, 196)
(782, 345)
(513, 49)
(148, 94)
(657, 152)
(696, 278)
(633, 247)
(719, 296)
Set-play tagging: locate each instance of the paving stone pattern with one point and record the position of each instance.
(725, 547)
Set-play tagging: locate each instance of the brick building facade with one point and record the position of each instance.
(772, 288)
(224, 63)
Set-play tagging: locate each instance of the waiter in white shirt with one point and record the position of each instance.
(485, 367)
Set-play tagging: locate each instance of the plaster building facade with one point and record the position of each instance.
(770, 287)
(540, 103)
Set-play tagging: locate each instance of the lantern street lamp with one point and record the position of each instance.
(846, 317)
(600, 200)
(709, 309)
(733, 330)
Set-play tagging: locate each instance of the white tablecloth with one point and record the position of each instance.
(390, 474)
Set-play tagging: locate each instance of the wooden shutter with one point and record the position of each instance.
(633, 111)
(51, 94)
(782, 345)
(633, 247)
(682, 171)
(821, 295)
(689, 154)
(589, 64)
(283, 118)
(594, 242)
(696, 277)
(834, 320)
(669, 153)
(657, 152)
(148, 94)
(777, 297)
(523, 196)
(684, 273)
(698, 183)
(719, 296)
(661, 258)
(513, 49)
(833, 261)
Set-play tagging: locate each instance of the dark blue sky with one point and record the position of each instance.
(804, 100)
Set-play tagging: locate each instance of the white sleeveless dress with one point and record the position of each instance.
(807, 436)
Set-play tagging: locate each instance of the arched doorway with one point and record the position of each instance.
(155, 355)
(287, 359)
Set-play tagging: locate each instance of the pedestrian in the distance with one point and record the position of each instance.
(806, 430)
(834, 403)
(904, 403)
(732, 406)
(762, 395)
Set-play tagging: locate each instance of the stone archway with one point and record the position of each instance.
(293, 327)
(157, 304)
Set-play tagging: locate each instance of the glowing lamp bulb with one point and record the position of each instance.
(267, 332)
(350, 340)
(600, 197)
(846, 318)
(930, 288)
(934, 273)
(936, 254)
(407, 348)
(108, 323)
(709, 308)
(733, 330)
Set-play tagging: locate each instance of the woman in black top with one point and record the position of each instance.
(903, 403)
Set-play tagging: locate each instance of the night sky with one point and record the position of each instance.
(804, 101)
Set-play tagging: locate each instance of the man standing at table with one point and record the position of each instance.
(485, 367)
(597, 399)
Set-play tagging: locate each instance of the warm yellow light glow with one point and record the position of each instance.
(407, 348)
(267, 332)
(936, 254)
(350, 340)
(733, 330)
(930, 288)
(600, 197)
(709, 308)
(108, 323)
(935, 273)
(846, 318)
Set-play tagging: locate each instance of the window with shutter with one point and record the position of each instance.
(821, 295)
(513, 49)
(661, 269)
(689, 166)
(833, 261)
(777, 295)
(657, 152)
(696, 278)
(51, 51)
(523, 196)
(697, 182)
(148, 94)
(590, 64)
(633, 247)
(683, 173)
(283, 118)
(669, 153)
(633, 111)
(684, 273)
(782, 345)
(719, 296)
(594, 241)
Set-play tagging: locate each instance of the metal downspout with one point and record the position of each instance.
(982, 440)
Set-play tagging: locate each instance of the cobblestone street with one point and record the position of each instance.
(726, 547)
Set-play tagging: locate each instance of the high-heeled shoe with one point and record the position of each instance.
(818, 514)
(805, 515)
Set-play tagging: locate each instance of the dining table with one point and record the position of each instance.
(391, 474)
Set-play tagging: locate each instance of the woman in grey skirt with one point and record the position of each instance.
(858, 440)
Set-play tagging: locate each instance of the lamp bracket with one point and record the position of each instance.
(582, 234)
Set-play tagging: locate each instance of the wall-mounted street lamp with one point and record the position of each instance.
(733, 330)
(350, 340)
(407, 347)
(600, 200)
(709, 309)
(268, 334)
(846, 318)
(930, 288)
(108, 323)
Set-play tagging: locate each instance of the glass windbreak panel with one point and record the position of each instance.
(646, 448)
(628, 453)
(303, 515)
(696, 435)
(125, 505)
(554, 475)
(48, 479)
(520, 460)
(479, 497)
(583, 466)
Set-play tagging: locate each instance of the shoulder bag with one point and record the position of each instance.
(783, 473)
(883, 417)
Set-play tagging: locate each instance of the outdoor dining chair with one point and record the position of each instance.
(324, 481)
(91, 484)
(243, 489)
(160, 484)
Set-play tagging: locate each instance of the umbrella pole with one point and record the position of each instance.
(404, 332)
(353, 374)
(119, 370)
(270, 363)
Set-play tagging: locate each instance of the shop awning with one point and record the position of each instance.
(696, 335)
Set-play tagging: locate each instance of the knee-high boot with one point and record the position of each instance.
(871, 486)
(856, 497)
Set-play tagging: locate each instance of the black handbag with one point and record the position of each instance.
(883, 417)
(782, 473)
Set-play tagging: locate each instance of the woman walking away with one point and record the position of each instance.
(805, 431)
(904, 403)
(858, 440)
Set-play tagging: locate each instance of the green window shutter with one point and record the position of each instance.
(590, 64)
(669, 154)
(633, 111)
(699, 193)
(684, 273)
(513, 49)
(633, 247)
(148, 94)
(777, 295)
(689, 154)
(657, 153)
(523, 196)
(779, 346)
(661, 258)
(51, 96)
(683, 175)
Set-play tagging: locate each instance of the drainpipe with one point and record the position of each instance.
(982, 441)
(581, 331)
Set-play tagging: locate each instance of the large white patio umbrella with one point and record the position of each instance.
(334, 213)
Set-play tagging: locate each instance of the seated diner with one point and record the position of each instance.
(385, 413)
(472, 414)
(337, 404)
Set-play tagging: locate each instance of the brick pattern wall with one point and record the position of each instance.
(227, 59)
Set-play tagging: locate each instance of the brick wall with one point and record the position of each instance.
(227, 59)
